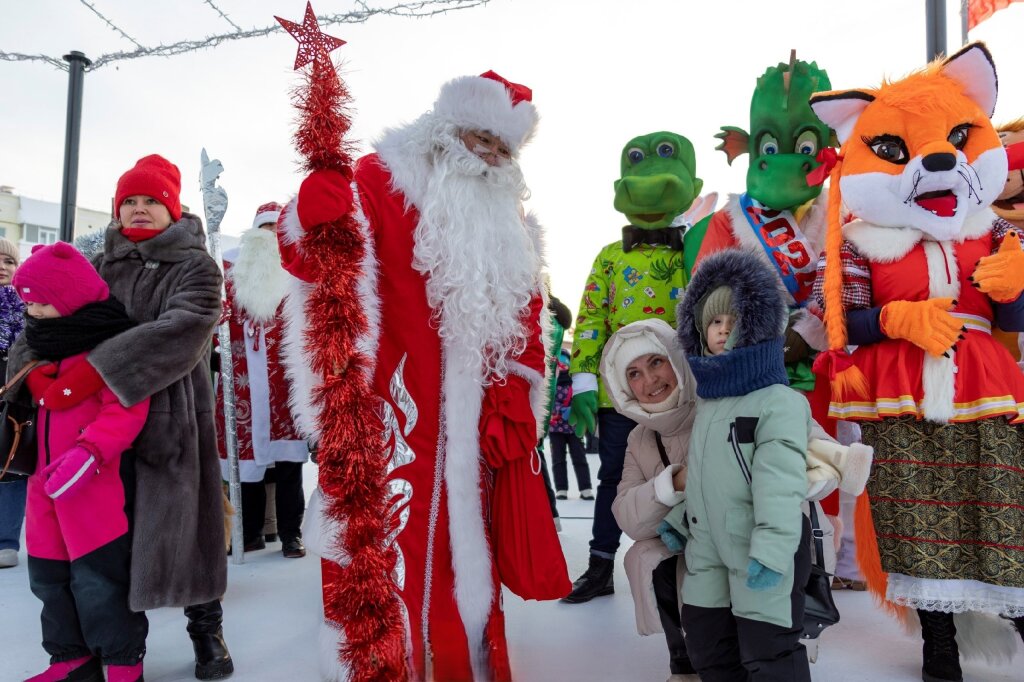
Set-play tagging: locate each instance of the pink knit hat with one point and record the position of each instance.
(61, 276)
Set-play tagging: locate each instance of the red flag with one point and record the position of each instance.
(980, 10)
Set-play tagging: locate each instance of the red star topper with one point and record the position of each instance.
(312, 43)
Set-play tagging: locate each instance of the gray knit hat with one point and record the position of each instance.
(8, 248)
(718, 302)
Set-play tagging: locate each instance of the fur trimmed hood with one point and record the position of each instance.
(757, 298)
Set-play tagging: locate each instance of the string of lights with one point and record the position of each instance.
(362, 12)
(111, 24)
(224, 16)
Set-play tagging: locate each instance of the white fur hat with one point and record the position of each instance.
(489, 102)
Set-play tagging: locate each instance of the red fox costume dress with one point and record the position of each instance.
(921, 276)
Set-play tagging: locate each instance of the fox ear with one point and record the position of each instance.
(973, 68)
(840, 109)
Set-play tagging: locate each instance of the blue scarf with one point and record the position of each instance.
(740, 371)
(12, 317)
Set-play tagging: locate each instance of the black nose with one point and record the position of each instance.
(942, 161)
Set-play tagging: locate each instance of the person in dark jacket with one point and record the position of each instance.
(155, 262)
(13, 487)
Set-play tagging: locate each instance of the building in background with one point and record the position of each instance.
(28, 222)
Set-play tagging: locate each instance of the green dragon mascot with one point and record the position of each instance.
(782, 215)
(642, 276)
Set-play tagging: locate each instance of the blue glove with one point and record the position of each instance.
(675, 542)
(760, 577)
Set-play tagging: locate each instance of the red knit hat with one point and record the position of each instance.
(152, 176)
(61, 276)
(267, 213)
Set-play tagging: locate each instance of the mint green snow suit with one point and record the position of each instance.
(746, 479)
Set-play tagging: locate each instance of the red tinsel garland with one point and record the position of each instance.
(360, 596)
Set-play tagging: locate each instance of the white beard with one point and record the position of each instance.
(260, 282)
(481, 262)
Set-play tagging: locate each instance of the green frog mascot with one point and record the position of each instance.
(642, 276)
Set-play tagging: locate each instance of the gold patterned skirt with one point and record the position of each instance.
(948, 499)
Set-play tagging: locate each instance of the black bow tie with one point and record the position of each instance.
(633, 236)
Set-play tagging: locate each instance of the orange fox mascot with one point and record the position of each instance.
(916, 282)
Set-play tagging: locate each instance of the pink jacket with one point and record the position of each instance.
(67, 529)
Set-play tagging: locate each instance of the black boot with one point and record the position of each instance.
(941, 655)
(595, 582)
(1019, 624)
(213, 661)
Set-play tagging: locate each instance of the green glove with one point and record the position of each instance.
(583, 413)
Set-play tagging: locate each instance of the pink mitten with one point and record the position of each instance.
(324, 196)
(70, 473)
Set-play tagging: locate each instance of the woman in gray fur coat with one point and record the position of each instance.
(155, 262)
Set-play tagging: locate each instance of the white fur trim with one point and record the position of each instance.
(856, 466)
(289, 226)
(265, 217)
(986, 637)
(471, 557)
(475, 103)
(320, 533)
(583, 382)
(538, 388)
(330, 639)
(881, 244)
(664, 490)
(301, 379)
(368, 342)
(937, 379)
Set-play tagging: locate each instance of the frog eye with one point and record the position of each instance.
(769, 145)
(666, 150)
(635, 155)
(807, 143)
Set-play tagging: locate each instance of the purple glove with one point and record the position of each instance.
(70, 473)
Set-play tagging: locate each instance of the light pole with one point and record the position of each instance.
(73, 133)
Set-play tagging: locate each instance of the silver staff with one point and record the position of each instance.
(215, 204)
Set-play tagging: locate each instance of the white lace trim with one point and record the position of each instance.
(955, 596)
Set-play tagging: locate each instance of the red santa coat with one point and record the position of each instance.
(264, 426)
(431, 407)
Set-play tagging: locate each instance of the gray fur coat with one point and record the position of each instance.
(171, 286)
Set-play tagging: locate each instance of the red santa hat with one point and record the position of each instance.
(489, 102)
(152, 176)
(267, 213)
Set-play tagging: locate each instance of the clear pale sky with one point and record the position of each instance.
(601, 71)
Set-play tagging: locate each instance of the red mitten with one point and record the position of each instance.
(508, 429)
(72, 387)
(39, 379)
(70, 473)
(324, 196)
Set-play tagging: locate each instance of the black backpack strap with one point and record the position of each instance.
(661, 450)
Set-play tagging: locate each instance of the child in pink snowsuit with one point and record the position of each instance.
(77, 529)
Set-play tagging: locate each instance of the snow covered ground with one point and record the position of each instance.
(272, 609)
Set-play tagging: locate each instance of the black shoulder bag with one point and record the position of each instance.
(819, 608)
(18, 445)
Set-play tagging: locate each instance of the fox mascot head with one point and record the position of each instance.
(919, 153)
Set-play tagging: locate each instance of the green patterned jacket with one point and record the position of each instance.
(622, 287)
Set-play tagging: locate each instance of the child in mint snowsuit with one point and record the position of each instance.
(76, 527)
(747, 542)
